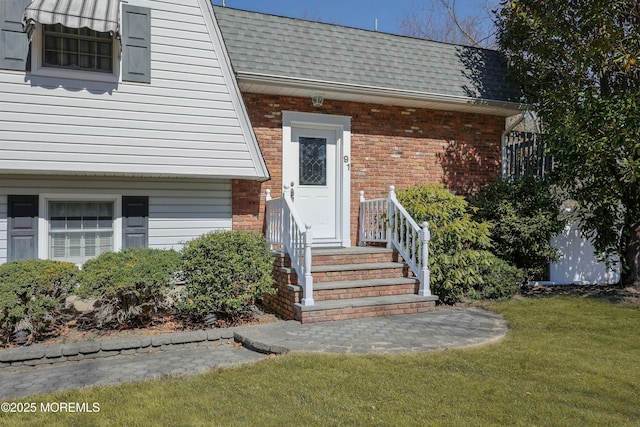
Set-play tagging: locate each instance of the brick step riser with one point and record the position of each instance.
(363, 312)
(355, 259)
(340, 276)
(364, 292)
(343, 259)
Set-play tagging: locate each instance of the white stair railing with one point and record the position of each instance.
(385, 220)
(286, 232)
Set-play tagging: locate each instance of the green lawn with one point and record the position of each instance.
(568, 361)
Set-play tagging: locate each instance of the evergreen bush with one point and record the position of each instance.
(31, 291)
(525, 214)
(130, 285)
(460, 257)
(225, 273)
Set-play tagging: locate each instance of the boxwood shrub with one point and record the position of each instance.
(31, 292)
(225, 273)
(130, 286)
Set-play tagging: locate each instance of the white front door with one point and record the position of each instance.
(312, 161)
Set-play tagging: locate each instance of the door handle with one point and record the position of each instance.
(292, 191)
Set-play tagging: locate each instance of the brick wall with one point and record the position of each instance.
(390, 145)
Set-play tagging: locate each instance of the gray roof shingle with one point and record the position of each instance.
(286, 47)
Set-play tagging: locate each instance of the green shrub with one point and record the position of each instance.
(31, 291)
(225, 273)
(459, 250)
(500, 280)
(525, 214)
(130, 285)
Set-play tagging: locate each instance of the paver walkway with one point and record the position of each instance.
(441, 329)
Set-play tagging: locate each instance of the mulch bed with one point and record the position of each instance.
(70, 328)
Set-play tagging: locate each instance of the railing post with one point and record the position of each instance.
(267, 214)
(286, 227)
(425, 236)
(390, 219)
(307, 290)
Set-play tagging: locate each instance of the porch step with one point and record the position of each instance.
(356, 308)
(349, 283)
(365, 288)
(366, 271)
(354, 255)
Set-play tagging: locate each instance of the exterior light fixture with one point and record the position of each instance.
(317, 100)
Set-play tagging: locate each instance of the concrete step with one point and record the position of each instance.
(356, 308)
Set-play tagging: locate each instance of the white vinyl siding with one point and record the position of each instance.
(188, 122)
(3, 228)
(179, 210)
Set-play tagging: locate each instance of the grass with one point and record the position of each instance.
(566, 361)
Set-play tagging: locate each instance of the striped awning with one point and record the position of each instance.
(99, 15)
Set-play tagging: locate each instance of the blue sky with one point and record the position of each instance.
(352, 13)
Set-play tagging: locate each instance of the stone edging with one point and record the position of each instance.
(258, 346)
(41, 354)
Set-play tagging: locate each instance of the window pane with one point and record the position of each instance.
(313, 161)
(84, 46)
(70, 45)
(104, 49)
(52, 58)
(83, 49)
(74, 226)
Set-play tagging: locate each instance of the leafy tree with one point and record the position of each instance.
(579, 65)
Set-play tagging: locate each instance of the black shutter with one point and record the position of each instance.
(136, 44)
(14, 44)
(135, 221)
(22, 230)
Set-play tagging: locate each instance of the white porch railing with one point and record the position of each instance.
(285, 232)
(385, 220)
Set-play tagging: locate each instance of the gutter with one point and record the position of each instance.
(317, 85)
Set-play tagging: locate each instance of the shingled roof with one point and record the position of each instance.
(275, 47)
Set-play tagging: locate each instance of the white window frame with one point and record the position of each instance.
(38, 69)
(43, 216)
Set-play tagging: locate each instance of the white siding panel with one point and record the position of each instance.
(179, 112)
(179, 210)
(177, 137)
(13, 139)
(186, 123)
(3, 228)
(177, 217)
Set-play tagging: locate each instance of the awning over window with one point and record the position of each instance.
(98, 15)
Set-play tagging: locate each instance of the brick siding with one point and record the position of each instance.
(390, 145)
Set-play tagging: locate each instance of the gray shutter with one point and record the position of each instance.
(14, 44)
(22, 230)
(136, 44)
(135, 221)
